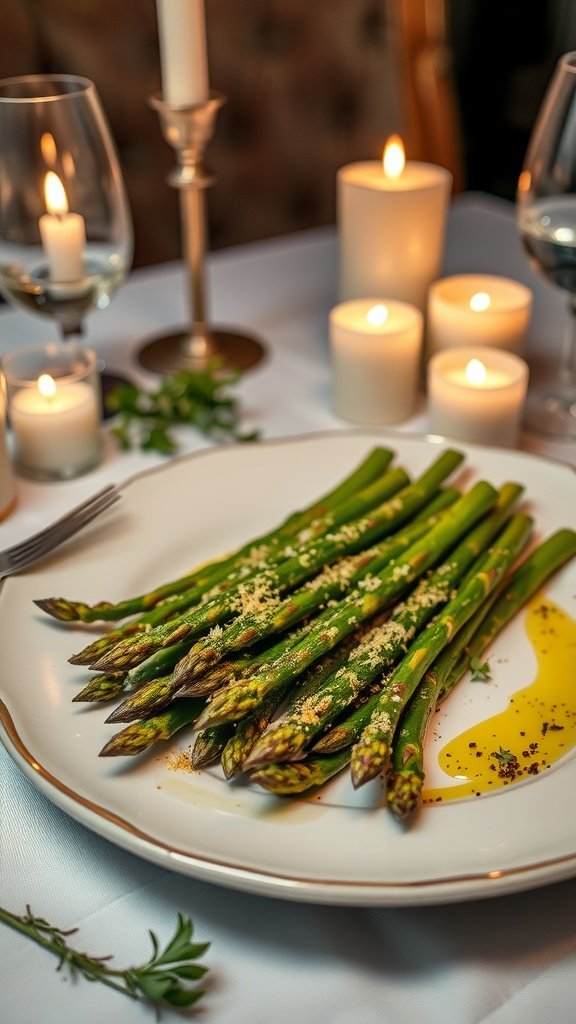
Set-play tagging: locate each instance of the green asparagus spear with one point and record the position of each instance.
(246, 734)
(546, 559)
(168, 609)
(407, 776)
(306, 716)
(238, 699)
(101, 688)
(296, 777)
(345, 732)
(269, 584)
(365, 474)
(158, 664)
(370, 753)
(209, 744)
(139, 736)
(145, 701)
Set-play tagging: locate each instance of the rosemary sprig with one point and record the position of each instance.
(197, 398)
(161, 980)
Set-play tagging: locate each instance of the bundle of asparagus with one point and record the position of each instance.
(329, 640)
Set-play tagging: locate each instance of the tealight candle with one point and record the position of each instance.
(477, 394)
(391, 218)
(183, 56)
(54, 410)
(375, 347)
(478, 309)
(63, 234)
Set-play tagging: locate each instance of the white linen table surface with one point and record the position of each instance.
(505, 960)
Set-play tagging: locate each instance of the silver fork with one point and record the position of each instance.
(20, 555)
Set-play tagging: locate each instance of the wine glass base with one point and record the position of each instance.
(172, 352)
(552, 413)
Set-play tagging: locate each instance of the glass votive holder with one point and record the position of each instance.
(477, 394)
(54, 410)
(7, 481)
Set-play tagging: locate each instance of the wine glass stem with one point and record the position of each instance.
(71, 326)
(568, 354)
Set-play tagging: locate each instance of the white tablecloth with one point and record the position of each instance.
(508, 960)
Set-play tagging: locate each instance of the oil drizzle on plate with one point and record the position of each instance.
(537, 728)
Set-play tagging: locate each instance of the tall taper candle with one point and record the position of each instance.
(183, 55)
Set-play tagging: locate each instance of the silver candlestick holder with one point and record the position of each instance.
(188, 130)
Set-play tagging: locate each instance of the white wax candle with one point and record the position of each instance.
(56, 426)
(375, 347)
(63, 234)
(477, 394)
(183, 55)
(478, 309)
(391, 228)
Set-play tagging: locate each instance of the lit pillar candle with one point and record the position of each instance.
(391, 220)
(183, 56)
(477, 394)
(55, 426)
(375, 358)
(63, 234)
(475, 309)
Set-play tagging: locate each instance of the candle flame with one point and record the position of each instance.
(377, 316)
(394, 157)
(56, 200)
(48, 148)
(46, 385)
(475, 372)
(525, 181)
(480, 301)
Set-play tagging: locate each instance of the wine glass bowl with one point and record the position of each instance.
(65, 225)
(546, 212)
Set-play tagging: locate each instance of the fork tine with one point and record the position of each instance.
(96, 499)
(65, 530)
(66, 526)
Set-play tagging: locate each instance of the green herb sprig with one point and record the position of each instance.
(481, 671)
(163, 980)
(196, 398)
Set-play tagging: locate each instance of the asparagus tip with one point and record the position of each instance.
(404, 794)
(368, 760)
(58, 608)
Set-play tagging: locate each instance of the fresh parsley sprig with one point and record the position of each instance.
(163, 980)
(196, 398)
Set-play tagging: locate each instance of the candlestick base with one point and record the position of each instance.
(182, 351)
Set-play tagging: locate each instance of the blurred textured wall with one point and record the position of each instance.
(309, 86)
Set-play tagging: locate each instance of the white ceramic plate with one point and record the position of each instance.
(341, 848)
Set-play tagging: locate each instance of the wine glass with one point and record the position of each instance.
(65, 225)
(546, 207)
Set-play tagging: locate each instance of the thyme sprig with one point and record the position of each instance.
(162, 980)
(197, 398)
